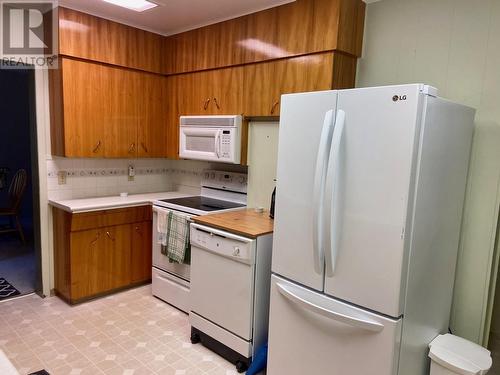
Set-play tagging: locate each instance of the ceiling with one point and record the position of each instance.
(174, 16)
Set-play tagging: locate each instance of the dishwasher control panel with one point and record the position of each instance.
(222, 243)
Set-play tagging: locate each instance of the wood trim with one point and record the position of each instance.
(344, 71)
(111, 217)
(76, 301)
(351, 27)
(93, 38)
(244, 142)
(56, 106)
(62, 261)
(294, 29)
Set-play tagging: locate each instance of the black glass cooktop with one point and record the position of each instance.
(203, 203)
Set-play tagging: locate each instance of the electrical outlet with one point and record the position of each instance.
(131, 173)
(61, 177)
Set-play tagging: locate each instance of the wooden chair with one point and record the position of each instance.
(15, 196)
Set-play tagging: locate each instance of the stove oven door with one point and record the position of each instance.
(161, 261)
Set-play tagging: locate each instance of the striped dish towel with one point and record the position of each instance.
(177, 246)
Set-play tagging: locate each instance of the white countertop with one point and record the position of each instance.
(101, 203)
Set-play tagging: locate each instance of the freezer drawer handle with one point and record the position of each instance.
(364, 323)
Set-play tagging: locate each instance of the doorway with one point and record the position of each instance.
(19, 190)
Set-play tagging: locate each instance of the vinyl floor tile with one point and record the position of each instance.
(130, 333)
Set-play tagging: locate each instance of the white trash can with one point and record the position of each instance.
(454, 355)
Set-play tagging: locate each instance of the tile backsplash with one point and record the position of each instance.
(103, 177)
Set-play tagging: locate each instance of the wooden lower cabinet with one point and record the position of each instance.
(141, 252)
(92, 262)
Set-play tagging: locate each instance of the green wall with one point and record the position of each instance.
(453, 45)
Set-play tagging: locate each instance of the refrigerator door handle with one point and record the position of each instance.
(365, 323)
(319, 190)
(333, 194)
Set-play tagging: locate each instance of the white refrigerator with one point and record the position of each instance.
(370, 191)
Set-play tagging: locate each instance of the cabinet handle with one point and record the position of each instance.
(216, 103)
(109, 235)
(273, 108)
(97, 146)
(206, 104)
(96, 239)
(144, 147)
(131, 149)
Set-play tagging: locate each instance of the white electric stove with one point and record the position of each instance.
(220, 191)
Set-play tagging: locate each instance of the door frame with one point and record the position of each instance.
(42, 134)
(35, 111)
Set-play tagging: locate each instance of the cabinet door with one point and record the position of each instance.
(196, 93)
(265, 82)
(85, 266)
(262, 91)
(85, 109)
(141, 257)
(152, 115)
(122, 113)
(227, 87)
(116, 256)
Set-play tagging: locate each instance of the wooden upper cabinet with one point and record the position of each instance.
(107, 111)
(227, 89)
(208, 92)
(266, 82)
(298, 28)
(121, 122)
(153, 116)
(83, 109)
(89, 37)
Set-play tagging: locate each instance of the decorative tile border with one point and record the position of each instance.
(104, 172)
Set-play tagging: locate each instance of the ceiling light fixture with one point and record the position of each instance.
(136, 5)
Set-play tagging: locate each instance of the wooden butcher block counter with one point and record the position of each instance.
(246, 223)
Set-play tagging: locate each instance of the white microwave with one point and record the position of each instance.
(211, 138)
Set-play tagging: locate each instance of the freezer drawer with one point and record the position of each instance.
(310, 333)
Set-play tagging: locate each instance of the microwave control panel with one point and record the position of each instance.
(226, 144)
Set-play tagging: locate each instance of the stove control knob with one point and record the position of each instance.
(241, 180)
(212, 176)
(236, 251)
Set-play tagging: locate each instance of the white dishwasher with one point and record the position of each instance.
(230, 283)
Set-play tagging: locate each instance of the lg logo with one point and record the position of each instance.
(396, 98)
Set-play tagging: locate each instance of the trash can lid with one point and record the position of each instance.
(460, 355)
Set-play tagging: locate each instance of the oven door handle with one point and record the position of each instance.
(157, 209)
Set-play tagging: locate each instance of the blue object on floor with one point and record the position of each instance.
(259, 361)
